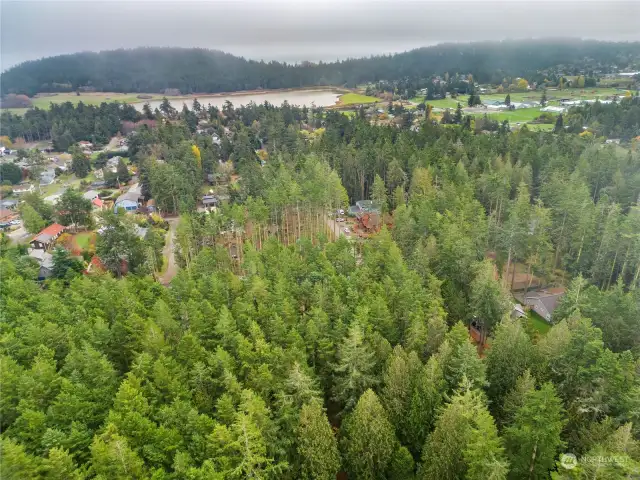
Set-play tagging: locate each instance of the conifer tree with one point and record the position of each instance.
(317, 447)
(354, 369)
(464, 443)
(510, 355)
(457, 116)
(533, 439)
(368, 440)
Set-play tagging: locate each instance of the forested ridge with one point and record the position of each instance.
(301, 356)
(209, 71)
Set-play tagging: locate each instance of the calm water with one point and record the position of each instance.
(321, 98)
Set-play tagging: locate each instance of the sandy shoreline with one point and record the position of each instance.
(338, 90)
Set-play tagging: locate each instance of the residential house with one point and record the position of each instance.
(90, 195)
(47, 177)
(7, 215)
(553, 109)
(47, 237)
(518, 311)
(53, 199)
(210, 201)
(544, 302)
(615, 141)
(97, 203)
(112, 164)
(23, 188)
(9, 204)
(130, 201)
(45, 260)
(85, 144)
(99, 184)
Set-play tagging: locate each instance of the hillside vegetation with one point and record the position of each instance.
(200, 70)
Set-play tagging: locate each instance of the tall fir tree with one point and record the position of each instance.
(368, 439)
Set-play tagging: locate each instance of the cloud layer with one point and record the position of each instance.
(296, 30)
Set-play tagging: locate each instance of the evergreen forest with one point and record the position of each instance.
(302, 354)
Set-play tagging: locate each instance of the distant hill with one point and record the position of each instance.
(199, 70)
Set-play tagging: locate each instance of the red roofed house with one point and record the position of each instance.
(6, 215)
(47, 237)
(98, 203)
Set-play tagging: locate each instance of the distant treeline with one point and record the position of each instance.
(201, 70)
(66, 124)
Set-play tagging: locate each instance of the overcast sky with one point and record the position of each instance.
(295, 30)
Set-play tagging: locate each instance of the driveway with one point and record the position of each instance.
(336, 227)
(19, 235)
(169, 253)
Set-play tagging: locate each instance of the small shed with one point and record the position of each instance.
(210, 201)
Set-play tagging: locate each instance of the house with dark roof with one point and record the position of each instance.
(45, 260)
(47, 237)
(545, 301)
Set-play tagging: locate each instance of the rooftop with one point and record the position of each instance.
(52, 231)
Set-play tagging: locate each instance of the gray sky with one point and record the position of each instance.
(295, 30)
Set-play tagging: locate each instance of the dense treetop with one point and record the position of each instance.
(297, 355)
(199, 70)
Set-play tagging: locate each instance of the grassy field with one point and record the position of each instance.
(521, 115)
(538, 323)
(84, 239)
(552, 96)
(356, 99)
(540, 127)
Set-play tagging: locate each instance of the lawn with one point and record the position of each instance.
(538, 323)
(356, 98)
(540, 127)
(83, 240)
(521, 115)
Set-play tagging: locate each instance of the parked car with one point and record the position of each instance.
(339, 219)
(15, 222)
(347, 230)
(341, 212)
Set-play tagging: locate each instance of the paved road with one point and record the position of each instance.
(169, 254)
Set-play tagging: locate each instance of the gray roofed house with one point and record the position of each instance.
(45, 259)
(48, 176)
(140, 231)
(129, 201)
(210, 200)
(90, 195)
(544, 302)
(8, 204)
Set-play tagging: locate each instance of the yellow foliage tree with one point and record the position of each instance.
(6, 142)
(523, 84)
(196, 153)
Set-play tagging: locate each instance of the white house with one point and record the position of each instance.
(23, 188)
